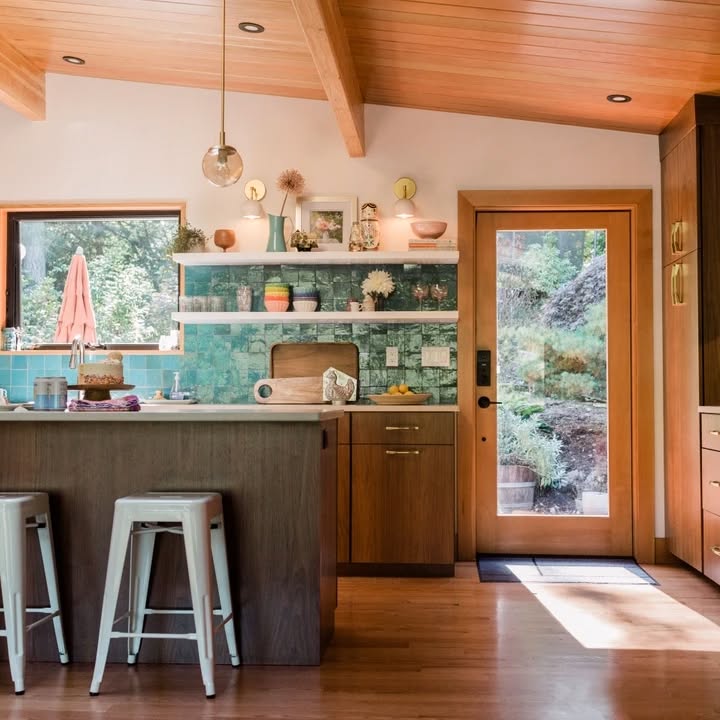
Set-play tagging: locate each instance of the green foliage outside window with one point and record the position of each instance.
(133, 283)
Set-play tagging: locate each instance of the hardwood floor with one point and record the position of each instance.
(443, 648)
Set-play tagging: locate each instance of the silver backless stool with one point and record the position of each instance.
(198, 517)
(19, 511)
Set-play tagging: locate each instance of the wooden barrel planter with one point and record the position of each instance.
(515, 488)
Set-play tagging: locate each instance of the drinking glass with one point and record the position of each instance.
(439, 292)
(420, 292)
(244, 298)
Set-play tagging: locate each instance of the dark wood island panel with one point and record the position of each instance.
(277, 480)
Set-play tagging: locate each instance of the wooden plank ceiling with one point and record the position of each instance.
(553, 61)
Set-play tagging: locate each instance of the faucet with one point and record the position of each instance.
(77, 352)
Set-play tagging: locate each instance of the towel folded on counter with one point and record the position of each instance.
(129, 403)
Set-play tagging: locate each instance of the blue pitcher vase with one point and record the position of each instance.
(276, 239)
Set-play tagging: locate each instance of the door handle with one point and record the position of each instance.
(485, 402)
(676, 237)
(715, 549)
(402, 452)
(714, 483)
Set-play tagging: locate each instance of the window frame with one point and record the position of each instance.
(10, 280)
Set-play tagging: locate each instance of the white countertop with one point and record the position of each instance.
(216, 413)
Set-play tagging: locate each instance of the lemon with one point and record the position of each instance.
(403, 388)
(409, 392)
(393, 390)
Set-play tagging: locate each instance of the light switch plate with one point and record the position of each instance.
(435, 356)
(392, 357)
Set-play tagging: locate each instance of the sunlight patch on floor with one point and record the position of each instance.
(627, 617)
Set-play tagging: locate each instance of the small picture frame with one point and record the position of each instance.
(329, 217)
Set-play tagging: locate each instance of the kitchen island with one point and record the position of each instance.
(276, 471)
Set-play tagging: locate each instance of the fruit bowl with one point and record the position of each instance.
(428, 229)
(400, 399)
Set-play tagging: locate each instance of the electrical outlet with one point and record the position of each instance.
(392, 357)
(435, 357)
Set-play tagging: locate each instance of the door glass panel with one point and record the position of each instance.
(552, 372)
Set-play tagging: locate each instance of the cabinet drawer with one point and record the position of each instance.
(710, 431)
(711, 481)
(403, 428)
(711, 545)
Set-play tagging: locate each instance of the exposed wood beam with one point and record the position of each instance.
(323, 27)
(22, 85)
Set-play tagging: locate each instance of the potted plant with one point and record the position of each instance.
(302, 241)
(527, 457)
(187, 239)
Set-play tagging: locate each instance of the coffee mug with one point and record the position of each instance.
(3, 396)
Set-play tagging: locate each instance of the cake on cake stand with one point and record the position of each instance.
(99, 392)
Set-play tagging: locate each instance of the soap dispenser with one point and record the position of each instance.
(176, 392)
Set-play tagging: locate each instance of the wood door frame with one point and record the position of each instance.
(639, 204)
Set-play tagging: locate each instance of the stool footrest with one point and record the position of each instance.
(49, 614)
(155, 636)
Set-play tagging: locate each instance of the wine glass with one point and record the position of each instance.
(420, 292)
(439, 292)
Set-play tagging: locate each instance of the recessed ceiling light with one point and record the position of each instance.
(251, 27)
(619, 98)
(73, 60)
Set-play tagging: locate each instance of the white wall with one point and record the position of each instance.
(117, 141)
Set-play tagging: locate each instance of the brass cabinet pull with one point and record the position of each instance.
(716, 550)
(676, 237)
(402, 452)
(676, 285)
(714, 483)
(402, 427)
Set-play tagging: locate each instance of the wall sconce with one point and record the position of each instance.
(254, 192)
(404, 189)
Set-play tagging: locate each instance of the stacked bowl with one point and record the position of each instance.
(277, 296)
(305, 299)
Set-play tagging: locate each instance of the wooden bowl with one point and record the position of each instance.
(224, 239)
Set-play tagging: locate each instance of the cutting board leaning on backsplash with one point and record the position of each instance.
(291, 360)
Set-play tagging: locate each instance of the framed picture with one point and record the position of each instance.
(329, 217)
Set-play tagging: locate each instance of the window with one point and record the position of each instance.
(133, 281)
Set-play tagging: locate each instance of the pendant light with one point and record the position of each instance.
(222, 164)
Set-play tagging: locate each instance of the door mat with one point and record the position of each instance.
(525, 569)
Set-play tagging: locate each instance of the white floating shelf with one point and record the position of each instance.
(258, 318)
(410, 257)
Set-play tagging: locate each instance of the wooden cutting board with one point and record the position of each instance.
(291, 360)
(289, 391)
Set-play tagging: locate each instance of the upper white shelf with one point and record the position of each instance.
(410, 257)
(382, 317)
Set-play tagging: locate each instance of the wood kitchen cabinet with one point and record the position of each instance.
(690, 160)
(710, 440)
(403, 493)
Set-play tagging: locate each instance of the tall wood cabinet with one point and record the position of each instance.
(690, 160)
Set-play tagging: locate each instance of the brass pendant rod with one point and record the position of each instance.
(222, 80)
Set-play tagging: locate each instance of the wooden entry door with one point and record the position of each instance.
(553, 308)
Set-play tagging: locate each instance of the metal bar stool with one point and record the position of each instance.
(136, 519)
(19, 511)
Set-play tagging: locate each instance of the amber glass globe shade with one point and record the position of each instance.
(222, 165)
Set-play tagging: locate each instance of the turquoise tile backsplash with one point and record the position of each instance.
(221, 363)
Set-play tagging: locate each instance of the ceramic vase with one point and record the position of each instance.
(276, 239)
